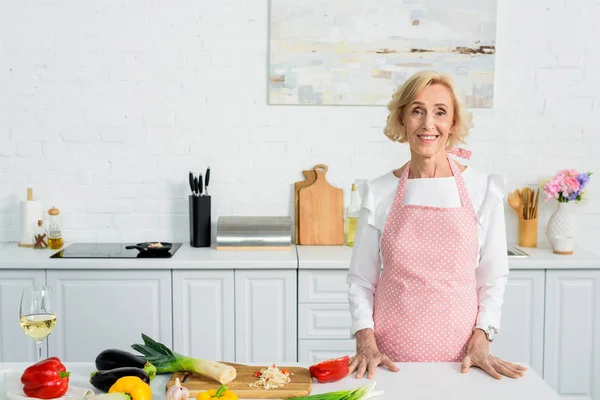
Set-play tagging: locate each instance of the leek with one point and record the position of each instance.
(360, 393)
(166, 361)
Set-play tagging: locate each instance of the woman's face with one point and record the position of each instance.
(428, 120)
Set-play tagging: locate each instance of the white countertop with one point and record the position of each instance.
(338, 257)
(302, 257)
(14, 257)
(414, 381)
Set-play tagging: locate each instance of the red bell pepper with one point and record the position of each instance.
(330, 370)
(47, 379)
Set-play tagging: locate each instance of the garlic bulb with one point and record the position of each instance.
(177, 392)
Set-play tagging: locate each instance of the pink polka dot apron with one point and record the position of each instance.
(426, 300)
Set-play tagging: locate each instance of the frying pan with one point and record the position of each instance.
(144, 247)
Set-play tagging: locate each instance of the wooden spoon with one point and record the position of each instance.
(529, 201)
(514, 200)
(536, 202)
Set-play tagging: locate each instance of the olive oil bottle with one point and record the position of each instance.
(55, 239)
(352, 213)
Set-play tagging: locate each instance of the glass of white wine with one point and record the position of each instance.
(37, 314)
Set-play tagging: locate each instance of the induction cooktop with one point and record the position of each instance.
(110, 250)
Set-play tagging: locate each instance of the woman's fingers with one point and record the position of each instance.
(466, 364)
(362, 367)
(387, 362)
(486, 365)
(372, 367)
(512, 368)
(353, 364)
(506, 370)
(516, 366)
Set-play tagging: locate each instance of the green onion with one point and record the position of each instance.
(360, 393)
(166, 361)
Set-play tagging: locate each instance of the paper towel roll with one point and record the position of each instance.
(31, 212)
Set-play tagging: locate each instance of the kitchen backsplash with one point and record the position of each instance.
(105, 114)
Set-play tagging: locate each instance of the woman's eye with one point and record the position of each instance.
(441, 112)
(417, 111)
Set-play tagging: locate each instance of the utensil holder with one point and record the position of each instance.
(200, 221)
(528, 232)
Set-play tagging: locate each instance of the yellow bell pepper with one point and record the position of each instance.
(133, 386)
(221, 394)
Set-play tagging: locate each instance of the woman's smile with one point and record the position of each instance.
(428, 137)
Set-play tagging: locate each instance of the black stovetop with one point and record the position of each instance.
(109, 250)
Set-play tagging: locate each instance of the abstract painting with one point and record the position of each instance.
(357, 52)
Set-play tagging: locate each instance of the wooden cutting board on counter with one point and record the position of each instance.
(301, 384)
(310, 176)
(321, 212)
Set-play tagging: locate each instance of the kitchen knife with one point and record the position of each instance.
(206, 180)
(191, 178)
(200, 185)
(196, 186)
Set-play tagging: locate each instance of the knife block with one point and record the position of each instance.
(200, 221)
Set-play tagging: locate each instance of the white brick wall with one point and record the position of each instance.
(105, 106)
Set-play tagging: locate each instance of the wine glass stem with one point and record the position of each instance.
(39, 350)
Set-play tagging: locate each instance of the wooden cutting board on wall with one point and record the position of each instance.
(300, 385)
(310, 176)
(321, 212)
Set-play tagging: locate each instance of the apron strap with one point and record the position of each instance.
(460, 152)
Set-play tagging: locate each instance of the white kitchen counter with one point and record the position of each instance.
(14, 257)
(338, 257)
(302, 257)
(414, 381)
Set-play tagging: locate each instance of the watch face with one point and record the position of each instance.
(491, 333)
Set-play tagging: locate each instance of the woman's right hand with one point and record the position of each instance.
(368, 357)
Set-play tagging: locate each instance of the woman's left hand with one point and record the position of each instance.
(478, 355)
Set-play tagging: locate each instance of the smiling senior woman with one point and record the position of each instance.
(437, 228)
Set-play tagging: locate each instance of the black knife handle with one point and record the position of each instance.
(207, 179)
(191, 178)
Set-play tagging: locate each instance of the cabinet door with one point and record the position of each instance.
(14, 345)
(521, 337)
(572, 347)
(324, 321)
(98, 310)
(312, 351)
(203, 314)
(265, 315)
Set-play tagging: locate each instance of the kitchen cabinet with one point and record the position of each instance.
(323, 315)
(14, 345)
(100, 309)
(572, 334)
(313, 351)
(265, 315)
(521, 337)
(203, 316)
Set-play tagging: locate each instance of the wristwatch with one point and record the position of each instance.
(490, 332)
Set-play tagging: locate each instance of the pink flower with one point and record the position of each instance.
(552, 189)
(570, 172)
(570, 184)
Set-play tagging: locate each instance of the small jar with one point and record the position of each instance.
(55, 239)
(40, 236)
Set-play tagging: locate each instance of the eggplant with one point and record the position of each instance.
(103, 380)
(115, 358)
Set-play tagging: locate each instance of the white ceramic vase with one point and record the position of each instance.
(560, 230)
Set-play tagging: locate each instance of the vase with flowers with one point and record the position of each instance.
(566, 187)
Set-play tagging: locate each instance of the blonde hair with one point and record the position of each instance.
(406, 93)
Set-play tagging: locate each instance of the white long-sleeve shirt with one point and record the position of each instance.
(486, 194)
